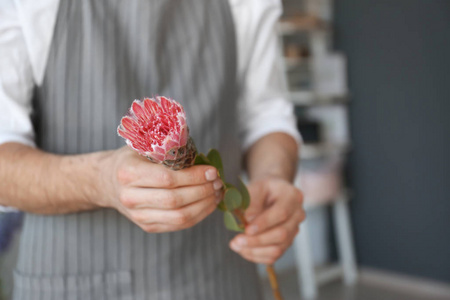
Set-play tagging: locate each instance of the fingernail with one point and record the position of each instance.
(241, 241)
(217, 184)
(252, 229)
(218, 197)
(210, 174)
(235, 247)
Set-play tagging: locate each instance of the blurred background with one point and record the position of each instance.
(370, 81)
(371, 84)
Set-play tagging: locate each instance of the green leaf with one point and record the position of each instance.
(216, 161)
(244, 193)
(230, 222)
(232, 198)
(229, 185)
(222, 206)
(201, 159)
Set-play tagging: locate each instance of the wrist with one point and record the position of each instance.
(83, 174)
(100, 186)
(269, 176)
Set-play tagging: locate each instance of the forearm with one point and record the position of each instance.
(39, 182)
(274, 155)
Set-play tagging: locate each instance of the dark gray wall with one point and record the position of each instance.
(399, 72)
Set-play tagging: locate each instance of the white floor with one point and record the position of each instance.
(370, 286)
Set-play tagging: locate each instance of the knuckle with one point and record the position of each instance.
(166, 179)
(255, 240)
(205, 190)
(283, 214)
(283, 234)
(126, 200)
(277, 252)
(124, 175)
(171, 200)
(181, 218)
(137, 217)
(189, 224)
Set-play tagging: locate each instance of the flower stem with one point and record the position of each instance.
(274, 282)
(269, 268)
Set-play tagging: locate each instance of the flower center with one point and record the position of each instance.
(159, 126)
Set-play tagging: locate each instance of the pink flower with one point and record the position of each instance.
(157, 129)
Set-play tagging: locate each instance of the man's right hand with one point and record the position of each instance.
(154, 197)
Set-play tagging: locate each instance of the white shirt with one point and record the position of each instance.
(26, 28)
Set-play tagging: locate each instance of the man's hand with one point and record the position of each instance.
(154, 197)
(274, 216)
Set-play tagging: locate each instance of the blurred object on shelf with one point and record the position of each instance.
(299, 78)
(330, 75)
(293, 7)
(322, 150)
(310, 99)
(334, 120)
(320, 180)
(294, 50)
(300, 22)
(295, 62)
(310, 130)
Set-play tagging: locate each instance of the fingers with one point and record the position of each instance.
(266, 247)
(178, 219)
(257, 194)
(283, 234)
(262, 255)
(273, 230)
(135, 198)
(278, 213)
(150, 175)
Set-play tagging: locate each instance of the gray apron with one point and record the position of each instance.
(104, 54)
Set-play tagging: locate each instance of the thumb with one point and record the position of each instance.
(257, 198)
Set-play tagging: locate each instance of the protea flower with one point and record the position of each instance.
(156, 128)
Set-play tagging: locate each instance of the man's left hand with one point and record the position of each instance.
(274, 215)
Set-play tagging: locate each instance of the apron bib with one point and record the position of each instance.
(105, 54)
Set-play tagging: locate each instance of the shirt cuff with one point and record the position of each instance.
(267, 126)
(16, 138)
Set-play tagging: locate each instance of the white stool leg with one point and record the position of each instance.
(344, 240)
(305, 265)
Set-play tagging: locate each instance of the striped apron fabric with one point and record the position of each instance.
(104, 54)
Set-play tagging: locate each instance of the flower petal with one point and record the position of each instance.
(125, 134)
(129, 124)
(165, 104)
(138, 109)
(184, 135)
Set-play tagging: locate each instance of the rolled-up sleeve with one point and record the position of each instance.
(263, 106)
(16, 80)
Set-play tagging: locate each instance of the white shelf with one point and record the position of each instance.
(314, 151)
(308, 98)
(304, 24)
(293, 62)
